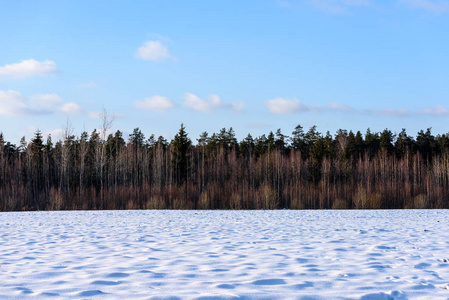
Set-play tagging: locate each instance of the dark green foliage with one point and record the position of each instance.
(426, 144)
(115, 143)
(137, 138)
(180, 147)
(247, 146)
(298, 140)
(386, 141)
(403, 144)
(372, 143)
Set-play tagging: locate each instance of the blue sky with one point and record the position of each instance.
(254, 65)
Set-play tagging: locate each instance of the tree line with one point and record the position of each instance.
(306, 170)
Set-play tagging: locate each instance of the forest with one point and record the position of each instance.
(306, 170)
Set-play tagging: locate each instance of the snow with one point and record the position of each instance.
(281, 254)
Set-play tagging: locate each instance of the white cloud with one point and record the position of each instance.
(155, 103)
(153, 51)
(47, 100)
(54, 102)
(340, 107)
(433, 6)
(71, 108)
(56, 134)
(238, 106)
(437, 110)
(392, 112)
(28, 68)
(87, 85)
(212, 103)
(12, 103)
(285, 106)
(196, 103)
(289, 106)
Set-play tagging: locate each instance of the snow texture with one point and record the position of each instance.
(225, 255)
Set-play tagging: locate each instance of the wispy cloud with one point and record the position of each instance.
(346, 7)
(213, 103)
(94, 114)
(400, 112)
(340, 107)
(87, 85)
(291, 106)
(285, 106)
(153, 51)
(28, 68)
(56, 103)
(356, 2)
(13, 103)
(433, 6)
(437, 110)
(71, 108)
(238, 106)
(329, 6)
(155, 103)
(100, 115)
(196, 103)
(47, 100)
(57, 133)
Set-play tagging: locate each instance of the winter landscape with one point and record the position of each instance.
(282, 254)
(256, 149)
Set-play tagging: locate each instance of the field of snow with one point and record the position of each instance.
(225, 254)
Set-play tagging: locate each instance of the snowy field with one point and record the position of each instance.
(225, 255)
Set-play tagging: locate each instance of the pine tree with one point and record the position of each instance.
(180, 147)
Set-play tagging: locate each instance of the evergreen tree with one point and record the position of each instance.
(403, 144)
(180, 147)
(359, 145)
(260, 146)
(137, 138)
(386, 141)
(270, 142)
(298, 140)
(247, 146)
(372, 143)
(425, 143)
(231, 139)
(280, 141)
